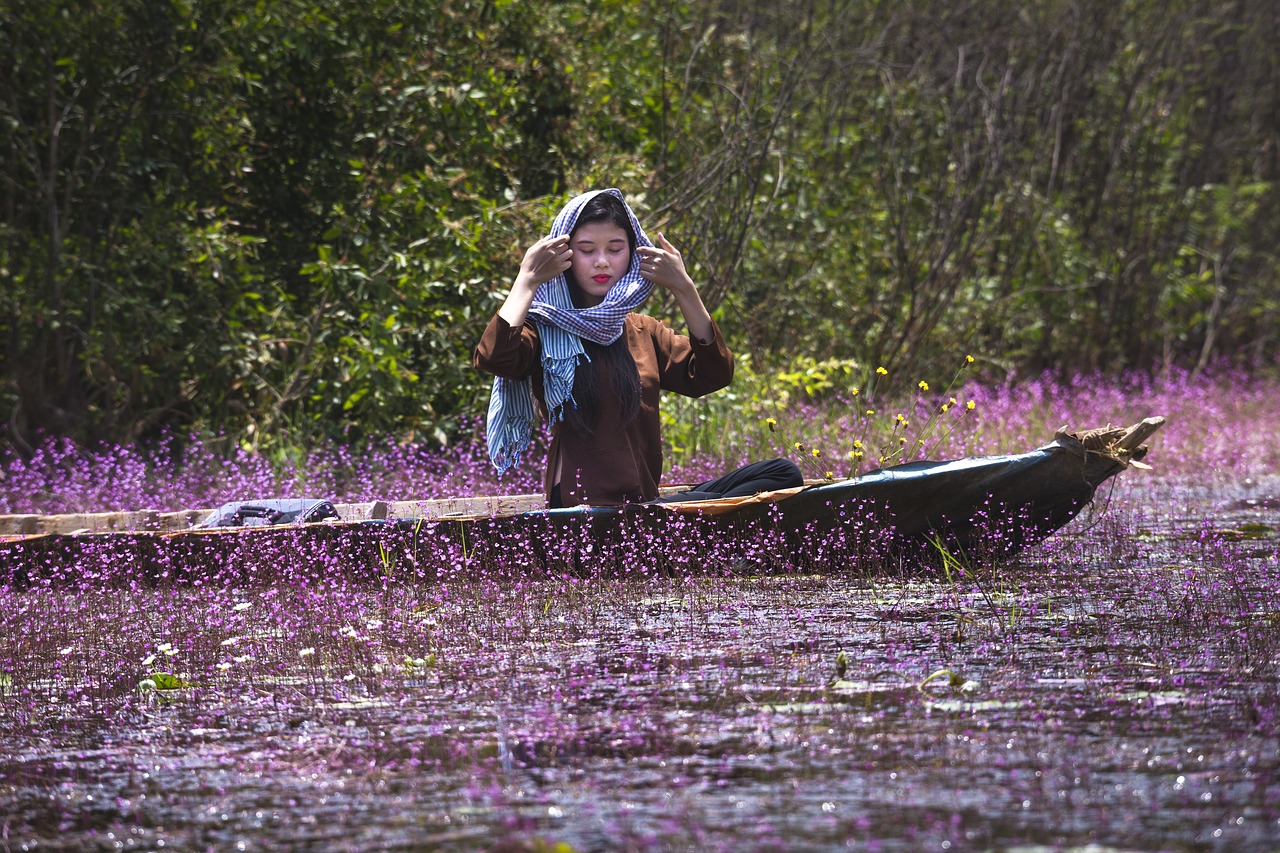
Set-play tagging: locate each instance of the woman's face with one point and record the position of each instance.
(601, 256)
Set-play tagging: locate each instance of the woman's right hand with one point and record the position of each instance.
(545, 260)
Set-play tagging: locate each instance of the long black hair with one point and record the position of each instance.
(620, 373)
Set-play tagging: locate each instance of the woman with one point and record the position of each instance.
(566, 338)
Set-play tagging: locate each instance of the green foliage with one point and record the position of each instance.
(815, 378)
(167, 681)
(1011, 182)
(292, 220)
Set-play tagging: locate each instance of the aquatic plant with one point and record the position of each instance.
(1211, 431)
(1116, 686)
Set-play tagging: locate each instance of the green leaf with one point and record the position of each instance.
(351, 401)
(168, 681)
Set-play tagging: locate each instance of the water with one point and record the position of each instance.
(1117, 688)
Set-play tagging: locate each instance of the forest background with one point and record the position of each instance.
(288, 222)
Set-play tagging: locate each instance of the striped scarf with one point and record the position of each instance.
(561, 327)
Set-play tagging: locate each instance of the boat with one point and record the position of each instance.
(969, 508)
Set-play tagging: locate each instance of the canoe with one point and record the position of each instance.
(970, 508)
(973, 508)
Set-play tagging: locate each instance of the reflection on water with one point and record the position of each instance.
(1115, 689)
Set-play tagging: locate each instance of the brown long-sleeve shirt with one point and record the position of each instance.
(617, 463)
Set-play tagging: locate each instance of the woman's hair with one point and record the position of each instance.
(623, 381)
(619, 366)
(607, 207)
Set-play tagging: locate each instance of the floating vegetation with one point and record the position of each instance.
(1117, 687)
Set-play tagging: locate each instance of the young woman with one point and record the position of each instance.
(565, 345)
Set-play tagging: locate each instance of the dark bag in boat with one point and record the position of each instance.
(276, 511)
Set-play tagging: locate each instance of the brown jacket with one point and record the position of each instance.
(616, 463)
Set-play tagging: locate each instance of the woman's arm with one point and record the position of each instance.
(664, 266)
(543, 261)
(507, 351)
(685, 365)
(508, 347)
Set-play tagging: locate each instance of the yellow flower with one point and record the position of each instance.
(857, 444)
(773, 424)
(816, 453)
(924, 386)
(871, 411)
(971, 405)
(968, 359)
(952, 401)
(944, 408)
(831, 475)
(799, 445)
(902, 439)
(882, 371)
(855, 392)
(900, 419)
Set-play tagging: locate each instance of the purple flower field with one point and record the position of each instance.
(1114, 688)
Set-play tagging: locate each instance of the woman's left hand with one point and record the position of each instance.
(664, 266)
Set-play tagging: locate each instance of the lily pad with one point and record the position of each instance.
(167, 681)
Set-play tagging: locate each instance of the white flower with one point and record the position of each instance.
(224, 666)
(307, 652)
(68, 650)
(242, 606)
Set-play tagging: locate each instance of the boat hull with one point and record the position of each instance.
(976, 507)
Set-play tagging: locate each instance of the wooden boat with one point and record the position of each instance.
(970, 506)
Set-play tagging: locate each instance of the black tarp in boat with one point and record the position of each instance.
(257, 513)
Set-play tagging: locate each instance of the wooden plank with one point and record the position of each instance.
(362, 511)
(473, 507)
(99, 522)
(171, 522)
(481, 506)
(18, 525)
